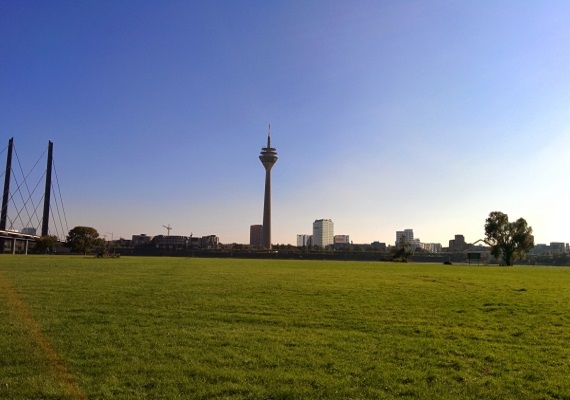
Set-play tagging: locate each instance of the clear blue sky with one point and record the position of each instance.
(385, 114)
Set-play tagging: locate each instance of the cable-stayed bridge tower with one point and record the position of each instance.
(6, 195)
(20, 207)
(47, 192)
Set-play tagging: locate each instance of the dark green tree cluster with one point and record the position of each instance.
(46, 244)
(82, 239)
(509, 241)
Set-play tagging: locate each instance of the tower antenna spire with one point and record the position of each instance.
(269, 136)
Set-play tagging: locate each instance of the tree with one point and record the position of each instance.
(82, 238)
(508, 240)
(403, 250)
(46, 244)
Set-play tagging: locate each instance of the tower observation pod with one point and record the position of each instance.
(268, 157)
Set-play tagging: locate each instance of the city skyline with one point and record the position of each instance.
(428, 115)
(268, 157)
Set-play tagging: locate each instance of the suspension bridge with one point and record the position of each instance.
(28, 213)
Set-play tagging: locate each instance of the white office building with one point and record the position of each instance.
(341, 239)
(431, 247)
(408, 233)
(323, 233)
(304, 240)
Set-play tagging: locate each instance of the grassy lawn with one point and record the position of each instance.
(152, 328)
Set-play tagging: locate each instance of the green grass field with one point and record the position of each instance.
(152, 328)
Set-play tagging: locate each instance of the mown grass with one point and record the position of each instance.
(150, 328)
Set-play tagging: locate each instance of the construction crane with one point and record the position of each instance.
(168, 228)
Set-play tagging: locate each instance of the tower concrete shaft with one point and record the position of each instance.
(268, 158)
(45, 221)
(6, 195)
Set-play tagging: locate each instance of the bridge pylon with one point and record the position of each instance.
(45, 222)
(12, 235)
(6, 195)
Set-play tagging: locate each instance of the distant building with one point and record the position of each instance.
(323, 233)
(407, 233)
(341, 239)
(552, 249)
(431, 247)
(139, 240)
(171, 242)
(304, 240)
(121, 243)
(458, 244)
(210, 242)
(557, 247)
(407, 236)
(29, 231)
(255, 236)
(194, 242)
(378, 246)
(539, 249)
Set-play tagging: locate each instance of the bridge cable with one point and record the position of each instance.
(26, 183)
(19, 211)
(19, 191)
(60, 199)
(55, 227)
(18, 217)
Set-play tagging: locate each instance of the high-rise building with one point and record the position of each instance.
(408, 233)
(268, 158)
(407, 236)
(323, 233)
(304, 240)
(255, 235)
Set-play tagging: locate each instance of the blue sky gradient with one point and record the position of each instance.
(385, 115)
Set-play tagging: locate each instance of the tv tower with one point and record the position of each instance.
(268, 157)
